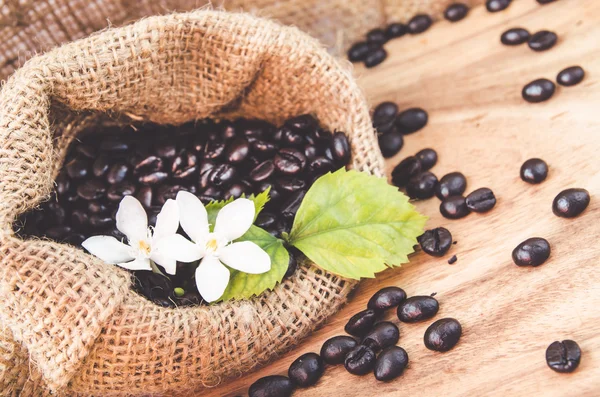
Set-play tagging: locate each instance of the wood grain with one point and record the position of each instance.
(470, 84)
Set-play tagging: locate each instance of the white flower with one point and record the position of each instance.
(132, 221)
(215, 248)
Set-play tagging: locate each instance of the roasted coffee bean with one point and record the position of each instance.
(497, 5)
(274, 192)
(290, 185)
(79, 219)
(293, 255)
(101, 165)
(263, 148)
(101, 221)
(360, 360)
(62, 183)
(456, 12)
(120, 190)
(411, 120)
(213, 150)
(405, 170)
(545, 1)
(436, 242)
(383, 334)
(272, 386)
(390, 144)
(340, 147)
(289, 161)
(361, 323)
(531, 252)
(386, 298)
(515, 36)
(114, 145)
(234, 191)
(542, 40)
(321, 165)
(375, 57)
(56, 216)
(205, 170)
(570, 203)
(117, 173)
(58, 233)
(442, 335)
(184, 165)
(570, 76)
(454, 207)
(304, 122)
(452, 260)
(376, 36)
(148, 165)
(153, 178)
(481, 200)
(144, 195)
(391, 363)
(539, 90)
(422, 186)
(77, 168)
(222, 175)
(166, 192)
(262, 171)
(88, 151)
(395, 30)
(418, 308)
(419, 24)
(291, 205)
(165, 149)
(310, 152)
(265, 220)
(427, 157)
(292, 136)
(92, 189)
(306, 370)
(563, 357)
(452, 184)
(335, 350)
(534, 171)
(384, 113)
(98, 207)
(358, 52)
(238, 151)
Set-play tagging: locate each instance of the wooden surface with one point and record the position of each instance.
(470, 84)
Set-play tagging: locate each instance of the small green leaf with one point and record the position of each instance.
(243, 285)
(355, 225)
(214, 207)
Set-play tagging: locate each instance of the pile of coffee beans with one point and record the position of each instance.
(214, 160)
(372, 346)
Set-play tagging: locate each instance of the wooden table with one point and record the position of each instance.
(471, 86)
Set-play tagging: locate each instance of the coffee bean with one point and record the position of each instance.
(376, 36)
(563, 357)
(165, 149)
(79, 219)
(222, 175)
(515, 36)
(340, 147)
(419, 24)
(101, 165)
(62, 183)
(497, 5)
(148, 165)
(293, 137)
(291, 205)
(238, 150)
(262, 171)
(153, 178)
(531, 252)
(271, 386)
(117, 173)
(58, 233)
(335, 349)
(77, 168)
(570, 76)
(542, 40)
(452, 260)
(293, 255)
(265, 220)
(418, 308)
(539, 90)
(545, 1)
(390, 143)
(213, 150)
(234, 191)
(289, 161)
(304, 122)
(386, 298)
(144, 195)
(481, 200)
(92, 189)
(205, 169)
(427, 157)
(422, 186)
(375, 57)
(97, 207)
(455, 12)
(405, 170)
(534, 170)
(454, 207)
(358, 52)
(361, 323)
(570, 203)
(391, 363)
(442, 335)
(306, 370)
(114, 145)
(120, 190)
(383, 334)
(290, 185)
(452, 184)
(436, 242)
(395, 30)
(411, 120)
(384, 113)
(360, 360)
(88, 151)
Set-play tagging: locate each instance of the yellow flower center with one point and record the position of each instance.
(144, 247)
(211, 246)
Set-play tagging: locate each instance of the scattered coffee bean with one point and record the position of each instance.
(545, 1)
(340, 147)
(411, 120)
(335, 350)
(406, 169)
(272, 386)
(454, 207)
(452, 184)
(428, 158)
(391, 363)
(542, 40)
(563, 357)
(539, 90)
(442, 335)
(481, 200)
(375, 57)
(384, 113)
(360, 361)
(455, 12)
(395, 30)
(452, 260)
(570, 203)
(515, 36)
(386, 298)
(361, 322)
(382, 335)
(306, 370)
(531, 252)
(390, 143)
(419, 24)
(435, 242)
(534, 170)
(418, 308)
(376, 36)
(422, 186)
(570, 76)
(497, 5)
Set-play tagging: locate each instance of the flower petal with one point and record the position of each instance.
(132, 220)
(234, 220)
(137, 264)
(167, 220)
(192, 215)
(246, 257)
(211, 278)
(108, 248)
(169, 264)
(177, 247)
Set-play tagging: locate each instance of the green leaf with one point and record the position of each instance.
(214, 207)
(355, 225)
(243, 285)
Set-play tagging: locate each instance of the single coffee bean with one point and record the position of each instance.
(118, 191)
(375, 57)
(405, 170)
(262, 171)
(234, 191)
(442, 335)
(545, 1)
(62, 183)
(542, 40)
(384, 113)
(539, 90)
(570, 76)
(515, 36)
(382, 335)
(563, 357)
(77, 168)
(272, 386)
(92, 189)
(335, 350)
(144, 196)
(289, 161)
(101, 221)
(263, 148)
(213, 150)
(165, 149)
(570, 203)
(455, 12)
(291, 205)
(222, 175)
(376, 36)
(391, 363)
(153, 178)
(419, 24)
(436, 242)
(306, 370)
(395, 30)
(237, 151)
(452, 260)
(265, 220)
(411, 120)
(418, 308)
(452, 184)
(293, 255)
(117, 173)
(531, 252)
(386, 298)
(304, 122)
(148, 165)
(205, 169)
(481, 200)
(290, 185)
(101, 165)
(58, 233)
(454, 207)
(340, 147)
(97, 207)
(497, 5)
(57, 214)
(534, 171)
(114, 145)
(360, 360)
(79, 219)
(310, 152)
(361, 323)
(86, 150)
(427, 157)
(390, 143)
(422, 186)
(358, 52)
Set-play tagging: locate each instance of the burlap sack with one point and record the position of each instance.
(78, 326)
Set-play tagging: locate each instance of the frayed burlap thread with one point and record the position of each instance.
(75, 320)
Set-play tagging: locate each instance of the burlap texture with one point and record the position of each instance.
(77, 323)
